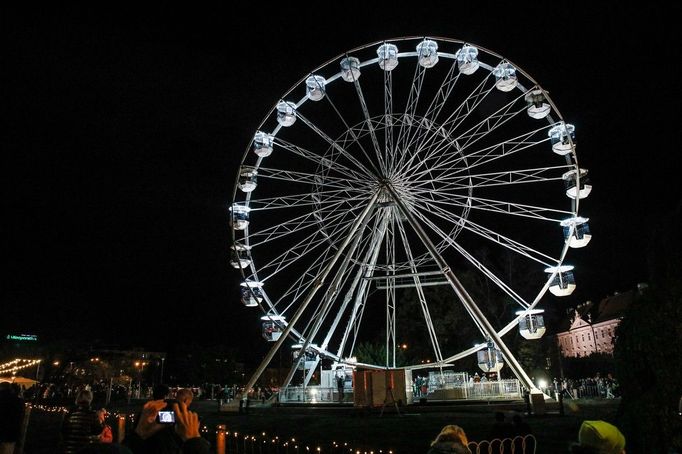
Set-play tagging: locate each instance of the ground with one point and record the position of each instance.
(411, 431)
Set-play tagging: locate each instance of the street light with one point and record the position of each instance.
(139, 365)
(163, 359)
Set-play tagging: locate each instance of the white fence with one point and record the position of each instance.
(311, 395)
(501, 389)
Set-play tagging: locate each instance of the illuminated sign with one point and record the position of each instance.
(23, 337)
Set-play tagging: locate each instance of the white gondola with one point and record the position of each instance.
(310, 356)
(286, 113)
(505, 76)
(272, 327)
(240, 255)
(427, 51)
(531, 324)
(574, 190)
(239, 216)
(315, 87)
(576, 231)
(490, 359)
(350, 69)
(248, 179)
(538, 107)
(563, 283)
(263, 144)
(388, 56)
(252, 293)
(467, 59)
(562, 137)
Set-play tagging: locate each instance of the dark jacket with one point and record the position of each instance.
(79, 429)
(11, 416)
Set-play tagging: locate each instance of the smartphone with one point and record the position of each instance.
(166, 417)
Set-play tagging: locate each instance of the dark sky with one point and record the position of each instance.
(123, 133)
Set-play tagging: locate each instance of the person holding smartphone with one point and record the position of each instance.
(167, 427)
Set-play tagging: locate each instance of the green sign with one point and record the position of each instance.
(23, 337)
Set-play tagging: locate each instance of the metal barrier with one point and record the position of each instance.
(311, 394)
(526, 444)
(501, 389)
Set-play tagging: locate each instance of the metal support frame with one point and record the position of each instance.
(318, 283)
(461, 292)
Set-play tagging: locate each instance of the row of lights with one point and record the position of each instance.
(246, 438)
(17, 365)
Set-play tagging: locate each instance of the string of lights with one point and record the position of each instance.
(16, 365)
(247, 443)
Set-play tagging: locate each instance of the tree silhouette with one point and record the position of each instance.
(647, 348)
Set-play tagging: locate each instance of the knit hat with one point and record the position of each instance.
(602, 436)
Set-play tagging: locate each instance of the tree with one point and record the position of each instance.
(375, 353)
(647, 349)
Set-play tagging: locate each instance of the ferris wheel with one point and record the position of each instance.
(388, 168)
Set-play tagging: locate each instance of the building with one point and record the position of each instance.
(591, 328)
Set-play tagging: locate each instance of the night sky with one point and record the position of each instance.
(124, 130)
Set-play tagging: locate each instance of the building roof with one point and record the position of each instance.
(609, 308)
(613, 306)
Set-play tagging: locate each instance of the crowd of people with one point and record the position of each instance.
(164, 425)
(598, 386)
(85, 429)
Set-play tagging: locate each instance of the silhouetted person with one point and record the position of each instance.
(81, 425)
(450, 440)
(11, 417)
(599, 437)
(185, 395)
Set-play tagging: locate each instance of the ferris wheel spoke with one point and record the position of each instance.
(306, 246)
(389, 150)
(323, 310)
(436, 105)
(367, 252)
(292, 226)
(307, 178)
(490, 235)
(461, 113)
(442, 95)
(370, 127)
(322, 161)
(494, 206)
(355, 139)
(455, 163)
(475, 133)
(447, 180)
(475, 262)
(334, 144)
(514, 209)
(420, 294)
(492, 122)
(408, 118)
(377, 236)
(300, 200)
